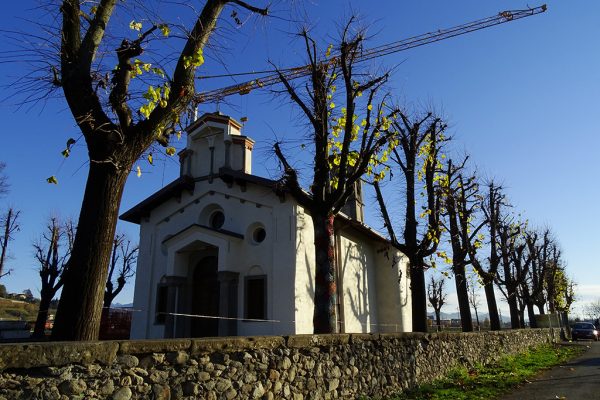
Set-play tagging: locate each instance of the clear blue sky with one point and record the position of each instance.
(521, 99)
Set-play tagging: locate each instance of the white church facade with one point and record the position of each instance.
(224, 252)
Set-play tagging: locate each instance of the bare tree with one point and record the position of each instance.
(418, 157)
(537, 270)
(9, 224)
(437, 298)
(515, 266)
(474, 297)
(491, 205)
(593, 310)
(121, 111)
(52, 251)
(3, 180)
(461, 194)
(121, 268)
(344, 150)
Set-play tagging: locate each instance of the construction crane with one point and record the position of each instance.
(270, 78)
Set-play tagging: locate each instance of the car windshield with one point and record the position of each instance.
(583, 326)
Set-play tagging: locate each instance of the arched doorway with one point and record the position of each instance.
(205, 298)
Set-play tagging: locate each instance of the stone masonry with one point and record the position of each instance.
(342, 366)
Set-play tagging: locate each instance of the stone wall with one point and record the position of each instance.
(294, 367)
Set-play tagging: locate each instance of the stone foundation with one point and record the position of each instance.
(294, 367)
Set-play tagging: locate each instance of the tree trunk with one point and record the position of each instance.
(540, 307)
(5, 239)
(531, 315)
(42, 316)
(490, 298)
(418, 297)
(80, 307)
(513, 307)
(438, 319)
(477, 318)
(522, 318)
(462, 292)
(325, 314)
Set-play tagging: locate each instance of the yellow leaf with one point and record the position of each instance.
(52, 179)
(332, 105)
(370, 107)
(136, 26)
(150, 160)
(164, 28)
(170, 151)
(138, 171)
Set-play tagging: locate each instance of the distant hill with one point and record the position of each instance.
(119, 305)
(482, 316)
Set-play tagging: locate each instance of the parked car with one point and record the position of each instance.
(584, 330)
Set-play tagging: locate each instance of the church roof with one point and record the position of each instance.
(213, 117)
(173, 189)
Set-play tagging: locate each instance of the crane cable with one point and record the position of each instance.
(273, 76)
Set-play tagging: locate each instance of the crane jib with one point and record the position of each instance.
(272, 77)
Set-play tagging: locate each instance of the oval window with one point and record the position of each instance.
(259, 235)
(217, 219)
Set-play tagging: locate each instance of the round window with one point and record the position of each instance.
(217, 219)
(259, 235)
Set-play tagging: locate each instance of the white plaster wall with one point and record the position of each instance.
(393, 290)
(305, 272)
(243, 211)
(376, 297)
(213, 134)
(143, 284)
(357, 270)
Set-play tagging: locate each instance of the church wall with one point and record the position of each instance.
(357, 271)
(143, 284)
(244, 211)
(393, 291)
(369, 281)
(305, 272)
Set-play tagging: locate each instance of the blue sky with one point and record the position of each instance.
(520, 98)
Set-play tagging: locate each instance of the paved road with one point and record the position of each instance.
(579, 379)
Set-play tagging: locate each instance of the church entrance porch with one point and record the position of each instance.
(202, 298)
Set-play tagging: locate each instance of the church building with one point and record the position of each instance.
(224, 252)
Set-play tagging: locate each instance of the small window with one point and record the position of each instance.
(161, 304)
(217, 219)
(259, 235)
(256, 297)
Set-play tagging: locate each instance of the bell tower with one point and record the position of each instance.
(214, 141)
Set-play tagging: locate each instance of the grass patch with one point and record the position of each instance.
(15, 310)
(487, 382)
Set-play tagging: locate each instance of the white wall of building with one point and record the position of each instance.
(162, 254)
